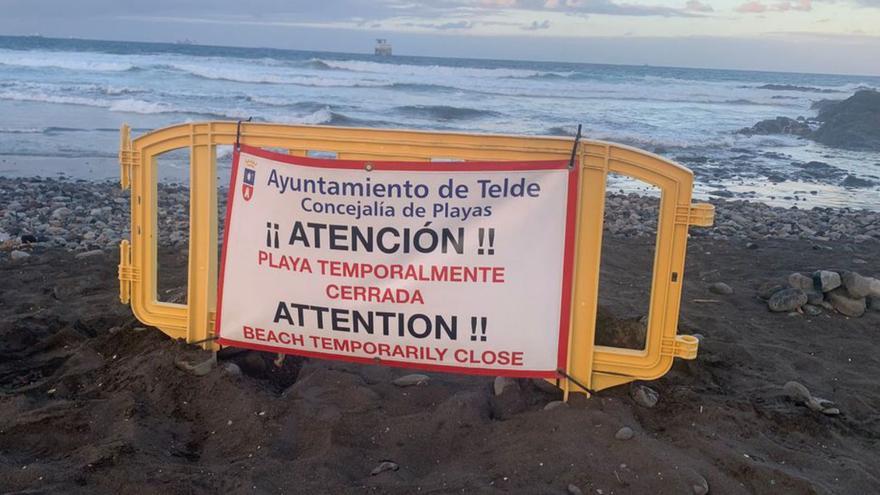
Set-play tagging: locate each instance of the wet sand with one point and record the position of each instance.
(92, 402)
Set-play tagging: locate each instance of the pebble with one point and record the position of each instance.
(802, 395)
(698, 483)
(198, 369)
(797, 391)
(814, 297)
(624, 433)
(812, 310)
(846, 305)
(800, 281)
(384, 466)
(823, 406)
(501, 383)
(18, 255)
(856, 285)
(556, 404)
(721, 288)
(787, 300)
(574, 490)
(643, 395)
(827, 280)
(232, 369)
(89, 254)
(411, 380)
(767, 289)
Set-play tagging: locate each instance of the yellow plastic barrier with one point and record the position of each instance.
(590, 367)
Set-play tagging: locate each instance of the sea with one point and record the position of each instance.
(62, 102)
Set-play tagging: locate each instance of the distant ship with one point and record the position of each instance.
(383, 47)
(185, 41)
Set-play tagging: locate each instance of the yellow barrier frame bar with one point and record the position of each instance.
(594, 367)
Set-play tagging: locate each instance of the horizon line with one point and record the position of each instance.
(473, 58)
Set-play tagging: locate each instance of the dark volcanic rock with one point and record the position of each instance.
(853, 181)
(792, 87)
(779, 125)
(853, 123)
(787, 300)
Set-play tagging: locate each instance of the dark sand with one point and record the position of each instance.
(91, 403)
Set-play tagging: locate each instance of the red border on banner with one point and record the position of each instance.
(567, 263)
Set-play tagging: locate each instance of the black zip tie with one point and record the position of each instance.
(570, 378)
(213, 337)
(574, 147)
(238, 132)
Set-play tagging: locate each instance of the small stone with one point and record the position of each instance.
(411, 380)
(787, 300)
(643, 395)
(89, 254)
(797, 392)
(501, 383)
(384, 466)
(751, 245)
(721, 288)
(198, 369)
(62, 212)
(18, 255)
(826, 280)
(812, 310)
(556, 404)
(857, 285)
(800, 281)
(767, 289)
(823, 406)
(574, 490)
(814, 297)
(846, 305)
(698, 483)
(624, 433)
(232, 369)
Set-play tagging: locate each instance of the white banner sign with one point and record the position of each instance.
(459, 267)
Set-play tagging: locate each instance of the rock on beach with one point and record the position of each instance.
(787, 300)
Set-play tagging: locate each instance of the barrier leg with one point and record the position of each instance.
(586, 284)
(202, 289)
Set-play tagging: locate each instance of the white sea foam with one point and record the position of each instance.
(437, 71)
(63, 60)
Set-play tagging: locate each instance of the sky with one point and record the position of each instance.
(826, 36)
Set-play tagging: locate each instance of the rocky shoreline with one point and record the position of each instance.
(853, 123)
(84, 216)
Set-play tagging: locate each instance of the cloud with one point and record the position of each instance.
(535, 25)
(606, 7)
(753, 7)
(698, 6)
(798, 5)
(757, 7)
(444, 26)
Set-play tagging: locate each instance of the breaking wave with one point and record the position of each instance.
(444, 112)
